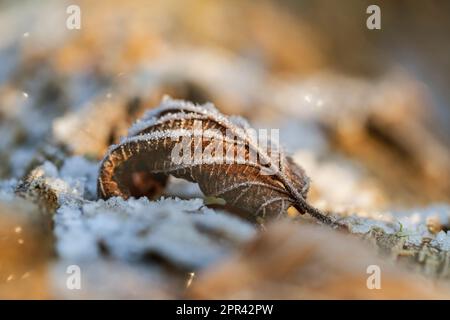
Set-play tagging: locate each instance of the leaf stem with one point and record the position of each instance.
(319, 215)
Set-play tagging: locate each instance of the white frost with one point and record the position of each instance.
(182, 231)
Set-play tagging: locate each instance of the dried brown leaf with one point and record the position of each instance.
(264, 186)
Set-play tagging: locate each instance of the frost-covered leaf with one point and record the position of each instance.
(263, 186)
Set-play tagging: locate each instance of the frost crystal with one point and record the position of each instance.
(183, 232)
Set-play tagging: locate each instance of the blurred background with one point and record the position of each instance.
(365, 112)
(378, 97)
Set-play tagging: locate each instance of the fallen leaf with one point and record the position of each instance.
(220, 153)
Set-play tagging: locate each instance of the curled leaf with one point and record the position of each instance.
(220, 153)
